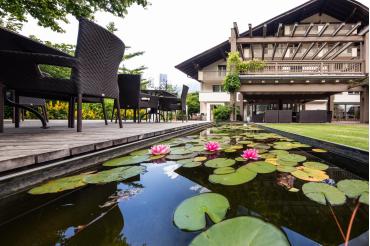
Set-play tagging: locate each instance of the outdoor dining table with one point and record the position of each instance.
(12, 41)
(160, 94)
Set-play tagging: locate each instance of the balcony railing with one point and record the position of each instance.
(310, 68)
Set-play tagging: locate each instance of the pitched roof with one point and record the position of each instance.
(349, 11)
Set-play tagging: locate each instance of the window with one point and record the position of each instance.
(221, 70)
(217, 88)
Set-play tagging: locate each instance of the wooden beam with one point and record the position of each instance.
(270, 40)
(284, 52)
(308, 50)
(300, 44)
(308, 30)
(264, 32)
(275, 44)
(338, 29)
(329, 51)
(358, 24)
(250, 36)
(296, 51)
(294, 29)
(319, 50)
(340, 50)
(239, 46)
(323, 29)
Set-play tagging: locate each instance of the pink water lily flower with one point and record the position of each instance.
(160, 149)
(212, 146)
(250, 154)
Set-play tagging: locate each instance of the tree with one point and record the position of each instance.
(231, 84)
(192, 101)
(49, 13)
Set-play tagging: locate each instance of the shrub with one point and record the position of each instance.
(222, 113)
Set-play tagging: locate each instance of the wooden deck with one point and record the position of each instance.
(30, 145)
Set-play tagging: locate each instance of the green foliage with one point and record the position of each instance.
(50, 13)
(222, 113)
(192, 101)
(235, 65)
(231, 83)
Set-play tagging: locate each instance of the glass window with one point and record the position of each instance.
(221, 70)
(217, 88)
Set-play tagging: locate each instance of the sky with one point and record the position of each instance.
(172, 31)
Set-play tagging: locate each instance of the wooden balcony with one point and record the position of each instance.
(307, 68)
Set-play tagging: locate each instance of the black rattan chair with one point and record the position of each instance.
(169, 104)
(132, 98)
(34, 103)
(94, 67)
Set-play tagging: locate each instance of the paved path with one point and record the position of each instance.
(30, 144)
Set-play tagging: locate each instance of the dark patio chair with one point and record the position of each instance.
(132, 98)
(34, 103)
(94, 67)
(170, 104)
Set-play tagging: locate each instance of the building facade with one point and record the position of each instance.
(316, 58)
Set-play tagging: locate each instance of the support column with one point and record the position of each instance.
(2, 108)
(280, 104)
(364, 105)
(330, 106)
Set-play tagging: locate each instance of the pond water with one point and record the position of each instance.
(140, 210)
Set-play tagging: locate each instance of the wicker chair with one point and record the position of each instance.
(94, 67)
(132, 98)
(169, 104)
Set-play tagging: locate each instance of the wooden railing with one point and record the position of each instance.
(310, 67)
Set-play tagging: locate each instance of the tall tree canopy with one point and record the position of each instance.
(193, 104)
(48, 13)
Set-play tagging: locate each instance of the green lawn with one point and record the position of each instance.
(355, 135)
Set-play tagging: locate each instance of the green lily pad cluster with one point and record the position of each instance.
(72, 182)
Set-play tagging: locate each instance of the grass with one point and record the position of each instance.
(355, 135)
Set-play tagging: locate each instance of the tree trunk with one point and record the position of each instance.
(233, 107)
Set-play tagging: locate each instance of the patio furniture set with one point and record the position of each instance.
(94, 76)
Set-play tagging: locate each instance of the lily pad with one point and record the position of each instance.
(293, 189)
(230, 150)
(236, 147)
(181, 157)
(309, 174)
(156, 157)
(58, 185)
(292, 158)
(224, 170)
(319, 150)
(200, 158)
(245, 142)
(126, 160)
(115, 174)
(261, 167)
(267, 155)
(272, 161)
(192, 164)
(140, 152)
(285, 169)
(316, 165)
(240, 176)
(241, 231)
(219, 162)
(286, 163)
(279, 152)
(190, 214)
(240, 159)
(354, 188)
(323, 193)
(181, 151)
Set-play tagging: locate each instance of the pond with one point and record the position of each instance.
(291, 194)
